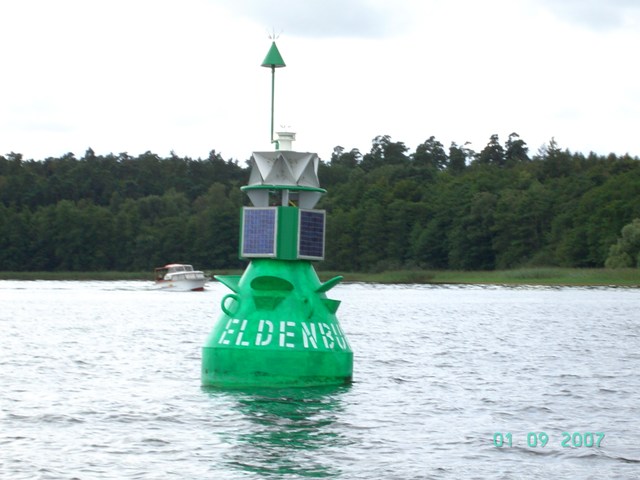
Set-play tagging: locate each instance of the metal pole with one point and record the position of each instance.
(273, 89)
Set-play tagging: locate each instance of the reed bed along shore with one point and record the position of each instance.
(524, 276)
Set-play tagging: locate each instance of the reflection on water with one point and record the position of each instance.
(289, 430)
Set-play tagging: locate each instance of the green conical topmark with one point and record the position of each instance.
(273, 58)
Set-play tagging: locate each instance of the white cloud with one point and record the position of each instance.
(326, 18)
(597, 14)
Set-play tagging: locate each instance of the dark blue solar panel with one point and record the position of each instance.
(311, 240)
(259, 232)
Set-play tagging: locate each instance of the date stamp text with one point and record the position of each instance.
(542, 439)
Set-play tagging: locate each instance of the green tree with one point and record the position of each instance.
(402, 217)
(349, 159)
(493, 153)
(521, 222)
(372, 235)
(385, 152)
(471, 236)
(435, 214)
(626, 251)
(430, 154)
(555, 162)
(341, 249)
(14, 230)
(213, 230)
(81, 235)
(596, 217)
(516, 150)
(458, 157)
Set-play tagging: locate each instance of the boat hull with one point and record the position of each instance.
(181, 285)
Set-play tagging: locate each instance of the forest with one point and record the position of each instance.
(435, 208)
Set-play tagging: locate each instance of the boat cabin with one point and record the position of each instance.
(174, 268)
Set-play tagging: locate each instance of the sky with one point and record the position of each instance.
(185, 76)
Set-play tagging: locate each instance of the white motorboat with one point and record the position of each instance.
(179, 277)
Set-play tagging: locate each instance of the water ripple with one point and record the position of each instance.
(100, 380)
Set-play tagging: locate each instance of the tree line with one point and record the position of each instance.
(435, 208)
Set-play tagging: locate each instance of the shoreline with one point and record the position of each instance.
(543, 276)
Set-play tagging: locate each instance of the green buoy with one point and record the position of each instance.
(278, 327)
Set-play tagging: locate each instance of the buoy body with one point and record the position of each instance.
(277, 328)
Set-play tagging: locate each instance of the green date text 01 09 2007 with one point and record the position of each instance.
(542, 439)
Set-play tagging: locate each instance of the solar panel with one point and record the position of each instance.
(259, 232)
(311, 234)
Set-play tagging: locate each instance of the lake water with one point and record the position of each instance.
(101, 380)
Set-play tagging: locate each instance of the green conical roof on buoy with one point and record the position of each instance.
(273, 58)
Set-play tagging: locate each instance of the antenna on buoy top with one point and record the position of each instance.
(273, 36)
(273, 60)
